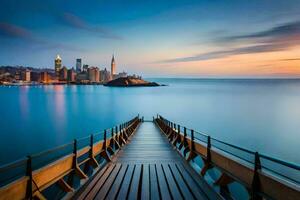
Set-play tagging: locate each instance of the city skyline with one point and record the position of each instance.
(61, 74)
(163, 39)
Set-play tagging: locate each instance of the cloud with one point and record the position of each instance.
(221, 54)
(275, 39)
(284, 30)
(290, 59)
(13, 31)
(16, 32)
(77, 22)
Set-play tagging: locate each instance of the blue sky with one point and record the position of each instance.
(229, 38)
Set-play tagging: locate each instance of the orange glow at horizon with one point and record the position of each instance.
(268, 64)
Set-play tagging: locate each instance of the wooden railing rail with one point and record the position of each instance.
(51, 167)
(235, 163)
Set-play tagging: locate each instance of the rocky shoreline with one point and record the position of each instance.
(130, 82)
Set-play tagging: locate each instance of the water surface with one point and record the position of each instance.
(262, 115)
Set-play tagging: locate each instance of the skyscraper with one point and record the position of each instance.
(113, 67)
(85, 68)
(57, 65)
(78, 65)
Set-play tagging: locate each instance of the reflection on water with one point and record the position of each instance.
(261, 115)
(59, 104)
(60, 112)
(23, 102)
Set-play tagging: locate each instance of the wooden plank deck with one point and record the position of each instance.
(147, 168)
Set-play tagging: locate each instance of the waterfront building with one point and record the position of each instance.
(6, 77)
(45, 77)
(25, 75)
(82, 77)
(78, 65)
(105, 76)
(93, 74)
(85, 68)
(35, 76)
(71, 75)
(63, 74)
(17, 76)
(57, 65)
(113, 67)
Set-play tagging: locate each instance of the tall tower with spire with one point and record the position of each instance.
(57, 65)
(113, 66)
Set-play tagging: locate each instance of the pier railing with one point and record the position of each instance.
(263, 176)
(40, 174)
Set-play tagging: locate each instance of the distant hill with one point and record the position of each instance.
(130, 82)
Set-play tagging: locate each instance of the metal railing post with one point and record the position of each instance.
(256, 181)
(192, 140)
(75, 149)
(208, 155)
(75, 154)
(104, 144)
(121, 130)
(91, 144)
(29, 174)
(178, 133)
(192, 148)
(183, 141)
(91, 140)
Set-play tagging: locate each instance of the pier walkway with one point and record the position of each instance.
(156, 159)
(148, 168)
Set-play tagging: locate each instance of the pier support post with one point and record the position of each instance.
(122, 134)
(109, 146)
(177, 137)
(207, 160)
(104, 152)
(77, 169)
(183, 141)
(168, 129)
(114, 139)
(32, 192)
(93, 161)
(125, 132)
(121, 139)
(171, 132)
(192, 154)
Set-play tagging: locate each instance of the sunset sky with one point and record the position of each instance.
(178, 38)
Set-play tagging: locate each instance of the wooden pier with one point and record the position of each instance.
(147, 168)
(147, 160)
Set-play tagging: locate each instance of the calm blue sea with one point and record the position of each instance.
(262, 115)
